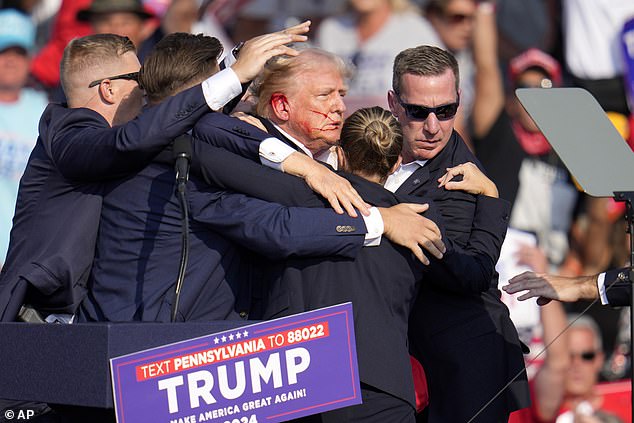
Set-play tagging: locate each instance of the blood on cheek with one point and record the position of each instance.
(327, 120)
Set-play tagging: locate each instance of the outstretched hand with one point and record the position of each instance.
(255, 52)
(546, 287)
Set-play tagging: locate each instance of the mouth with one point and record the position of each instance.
(427, 144)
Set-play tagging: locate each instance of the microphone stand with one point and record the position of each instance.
(182, 154)
(628, 198)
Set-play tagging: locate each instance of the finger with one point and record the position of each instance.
(281, 50)
(419, 254)
(300, 28)
(453, 186)
(542, 301)
(431, 248)
(441, 246)
(522, 276)
(443, 180)
(417, 208)
(358, 203)
(276, 40)
(349, 208)
(527, 296)
(334, 203)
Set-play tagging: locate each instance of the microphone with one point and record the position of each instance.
(182, 153)
(182, 150)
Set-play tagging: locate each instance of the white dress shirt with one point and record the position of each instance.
(404, 171)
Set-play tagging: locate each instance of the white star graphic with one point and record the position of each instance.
(238, 335)
(230, 337)
(223, 338)
(216, 340)
(245, 333)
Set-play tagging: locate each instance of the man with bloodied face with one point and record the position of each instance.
(300, 100)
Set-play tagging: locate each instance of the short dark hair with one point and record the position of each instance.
(423, 61)
(179, 60)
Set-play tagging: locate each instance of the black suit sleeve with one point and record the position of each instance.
(224, 169)
(469, 269)
(618, 287)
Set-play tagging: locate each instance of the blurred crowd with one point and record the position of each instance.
(500, 45)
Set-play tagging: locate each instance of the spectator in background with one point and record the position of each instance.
(20, 110)
(454, 22)
(591, 31)
(123, 17)
(45, 64)
(511, 148)
(370, 35)
(566, 392)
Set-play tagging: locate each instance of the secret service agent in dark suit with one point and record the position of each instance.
(467, 343)
(138, 247)
(381, 308)
(59, 200)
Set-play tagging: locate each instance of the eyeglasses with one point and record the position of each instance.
(585, 355)
(458, 18)
(132, 76)
(415, 111)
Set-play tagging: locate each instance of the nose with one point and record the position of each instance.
(339, 106)
(431, 124)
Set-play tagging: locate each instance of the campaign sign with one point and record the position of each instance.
(272, 371)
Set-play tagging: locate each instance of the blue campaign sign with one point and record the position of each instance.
(267, 372)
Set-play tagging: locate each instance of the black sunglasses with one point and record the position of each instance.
(132, 76)
(415, 111)
(585, 356)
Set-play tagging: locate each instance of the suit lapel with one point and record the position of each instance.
(272, 130)
(420, 180)
(414, 182)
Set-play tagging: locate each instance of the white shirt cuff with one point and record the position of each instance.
(375, 228)
(220, 88)
(273, 152)
(229, 58)
(601, 288)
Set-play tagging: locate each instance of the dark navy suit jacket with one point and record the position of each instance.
(467, 343)
(139, 243)
(59, 199)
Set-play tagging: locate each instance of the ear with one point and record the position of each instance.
(392, 102)
(341, 158)
(280, 106)
(396, 165)
(107, 92)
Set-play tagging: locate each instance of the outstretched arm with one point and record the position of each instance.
(552, 287)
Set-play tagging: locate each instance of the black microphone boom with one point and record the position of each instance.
(182, 151)
(182, 157)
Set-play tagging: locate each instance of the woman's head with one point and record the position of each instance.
(371, 142)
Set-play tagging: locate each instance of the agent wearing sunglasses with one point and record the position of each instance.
(448, 330)
(92, 139)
